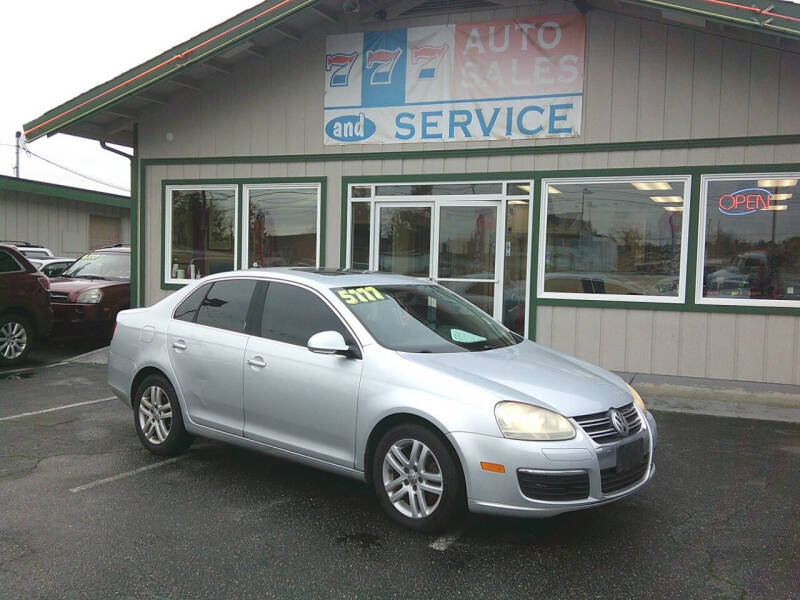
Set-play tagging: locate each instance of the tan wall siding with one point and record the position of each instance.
(720, 346)
(644, 81)
(59, 224)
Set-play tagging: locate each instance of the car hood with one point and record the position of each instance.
(74, 286)
(531, 373)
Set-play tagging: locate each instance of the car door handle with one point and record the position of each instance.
(179, 345)
(257, 361)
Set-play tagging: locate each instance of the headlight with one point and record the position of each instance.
(520, 421)
(637, 399)
(90, 297)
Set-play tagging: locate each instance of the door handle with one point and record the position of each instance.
(257, 361)
(179, 345)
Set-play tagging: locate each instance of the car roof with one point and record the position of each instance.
(115, 248)
(328, 278)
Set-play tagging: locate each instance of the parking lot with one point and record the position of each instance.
(86, 512)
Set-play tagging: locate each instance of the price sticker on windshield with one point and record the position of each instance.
(361, 295)
(91, 257)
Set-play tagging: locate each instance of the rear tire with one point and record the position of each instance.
(16, 339)
(417, 479)
(158, 419)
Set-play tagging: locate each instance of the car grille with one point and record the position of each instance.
(556, 487)
(59, 296)
(598, 425)
(611, 481)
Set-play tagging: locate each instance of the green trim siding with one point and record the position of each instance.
(239, 183)
(53, 190)
(689, 305)
(566, 148)
(134, 204)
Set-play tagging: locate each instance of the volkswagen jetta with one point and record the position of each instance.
(388, 379)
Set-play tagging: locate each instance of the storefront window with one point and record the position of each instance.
(515, 278)
(751, 239)
(360, 236)
(619, 239)
(201, 230)
(282, 226)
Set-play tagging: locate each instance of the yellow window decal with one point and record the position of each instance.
(358, 295)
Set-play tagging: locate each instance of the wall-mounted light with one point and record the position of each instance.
(776, 207)
(673, 208)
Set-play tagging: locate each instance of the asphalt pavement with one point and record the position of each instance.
(86, 512)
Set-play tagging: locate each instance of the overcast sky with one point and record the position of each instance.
(54, 50)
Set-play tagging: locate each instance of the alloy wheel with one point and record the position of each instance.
(13, 340)
(412, 478)
(155, 415)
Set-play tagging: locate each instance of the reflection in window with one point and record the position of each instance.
(515, 279)
(439, 189)
(752, 246)
(283, 227)
(361, 236)
(202, 232)
(620, 238)
(405, 240)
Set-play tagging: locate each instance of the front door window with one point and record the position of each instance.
(404, 240)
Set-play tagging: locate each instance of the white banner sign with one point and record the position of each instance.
(496, 80)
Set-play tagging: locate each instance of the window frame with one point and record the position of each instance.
(699, 299)
(679, 299)
(245, 237)
(166, 264)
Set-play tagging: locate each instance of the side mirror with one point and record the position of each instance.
(328, 342)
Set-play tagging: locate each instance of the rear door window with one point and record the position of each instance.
(187, 310)
(226, 306)
(293, 314)
(7, 263)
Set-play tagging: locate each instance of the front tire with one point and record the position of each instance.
(158, 419)
(16, 339)
(417, 479)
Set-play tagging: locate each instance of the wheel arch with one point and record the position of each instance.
(404, 418)
(142, 374)
(22, 312)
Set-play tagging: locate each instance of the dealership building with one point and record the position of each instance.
(617, 180)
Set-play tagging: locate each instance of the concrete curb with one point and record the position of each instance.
(94, 357)
(723, 398)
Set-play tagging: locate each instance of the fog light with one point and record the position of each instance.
(493, 467)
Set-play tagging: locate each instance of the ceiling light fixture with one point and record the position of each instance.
(773, 183)
(651, 186)
(666, 198)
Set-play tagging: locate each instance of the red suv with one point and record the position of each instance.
(89, 293)
(25, 313)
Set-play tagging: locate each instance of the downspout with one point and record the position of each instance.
(134, 211)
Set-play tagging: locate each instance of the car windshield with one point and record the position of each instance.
(424, 318)
(101, 265)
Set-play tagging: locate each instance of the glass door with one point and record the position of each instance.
(468, 260)
(403, 238)
(454, 243)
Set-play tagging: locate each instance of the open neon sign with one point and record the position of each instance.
(745, 202)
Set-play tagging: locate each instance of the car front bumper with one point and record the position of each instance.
(501, 493)
(72, 314)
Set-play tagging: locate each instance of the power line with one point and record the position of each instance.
(29, 152)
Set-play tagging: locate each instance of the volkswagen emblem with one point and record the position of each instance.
(618, 421)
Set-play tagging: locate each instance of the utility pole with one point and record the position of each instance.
(16, 164)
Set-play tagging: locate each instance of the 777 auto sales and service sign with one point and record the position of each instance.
(495, 80)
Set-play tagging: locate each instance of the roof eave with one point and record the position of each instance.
(68, 117)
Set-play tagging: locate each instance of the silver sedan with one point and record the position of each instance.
(387, 379)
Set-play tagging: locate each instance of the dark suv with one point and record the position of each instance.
(25, 313)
